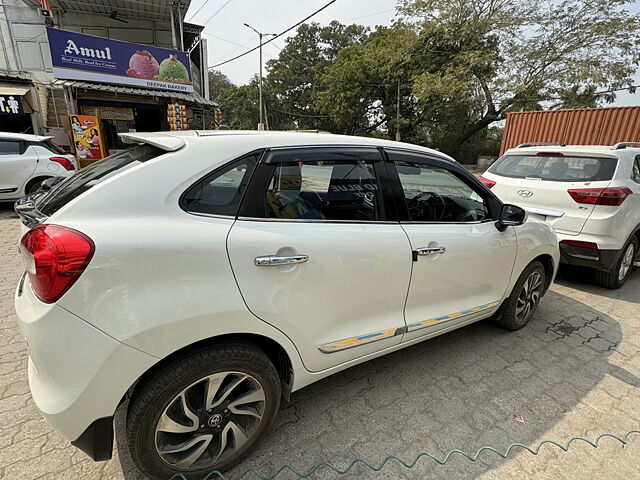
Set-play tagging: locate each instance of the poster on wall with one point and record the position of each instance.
(87, 138)
(76, 56)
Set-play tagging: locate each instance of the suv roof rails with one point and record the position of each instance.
(621, 145)
(539, 144)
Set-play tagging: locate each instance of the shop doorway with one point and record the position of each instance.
(150, 119)
(16, 123)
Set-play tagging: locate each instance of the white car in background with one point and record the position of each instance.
(590, 194)
(28, 160)
(205, 275)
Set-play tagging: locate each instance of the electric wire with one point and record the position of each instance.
(276, 36)
(377, 467)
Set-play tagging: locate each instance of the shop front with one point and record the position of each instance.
(124, 87)
(16, 111)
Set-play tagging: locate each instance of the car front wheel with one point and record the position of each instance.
(517, 310)
(203, 412)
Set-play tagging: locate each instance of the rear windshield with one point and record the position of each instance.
(52, 147)
(92, 175)
(555, 168)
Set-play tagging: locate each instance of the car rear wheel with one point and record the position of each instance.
(622, 270)
(517, 310)
(203, 412)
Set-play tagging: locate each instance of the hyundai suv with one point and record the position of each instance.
(205, 276)
(590, 194)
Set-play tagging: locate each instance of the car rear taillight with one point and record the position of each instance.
(612, 196)
(487, 183)
(55, 257)
(65, 162)
(579, 243)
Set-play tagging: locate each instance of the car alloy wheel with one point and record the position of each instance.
(529, 295)
(627, 261)
(210, 420)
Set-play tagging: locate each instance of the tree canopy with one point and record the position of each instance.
(451, 67)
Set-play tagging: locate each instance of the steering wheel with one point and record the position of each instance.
(471, 216)
(427, 201)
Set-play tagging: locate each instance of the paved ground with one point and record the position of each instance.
(574, 370)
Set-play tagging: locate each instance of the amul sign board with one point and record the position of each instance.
(76, 56)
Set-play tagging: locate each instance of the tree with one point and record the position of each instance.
(218, 81)
(295, 76)
(490, 57)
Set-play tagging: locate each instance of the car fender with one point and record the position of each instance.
(535, 238)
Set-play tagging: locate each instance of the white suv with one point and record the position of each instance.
(28, 160)
(206, 275)
(590, 194)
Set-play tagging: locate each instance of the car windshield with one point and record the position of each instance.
(555, 167)
(92, 175)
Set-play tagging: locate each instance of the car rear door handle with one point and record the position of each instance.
(430, 251)
(273, 260)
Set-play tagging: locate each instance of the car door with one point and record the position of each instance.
(16, 166)
(317, 253)
(462, 263)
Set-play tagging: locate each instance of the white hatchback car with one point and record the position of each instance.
(206, 275)
(590, 194)
(27, 160)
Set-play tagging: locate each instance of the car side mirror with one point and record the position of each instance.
(511, 216)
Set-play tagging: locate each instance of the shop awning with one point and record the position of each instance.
(193, 97)
(13, 89)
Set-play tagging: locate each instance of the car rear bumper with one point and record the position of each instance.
(77, 374)
(596, 258)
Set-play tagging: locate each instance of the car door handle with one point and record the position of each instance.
(272, 260)
(430, 251)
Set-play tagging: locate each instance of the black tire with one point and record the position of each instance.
(512, 315)
(159, 394)
(613, 278)
(34, 185)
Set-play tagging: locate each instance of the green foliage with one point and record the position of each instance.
(218, 81)
(461, 65)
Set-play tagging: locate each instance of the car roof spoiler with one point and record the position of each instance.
(168, 143)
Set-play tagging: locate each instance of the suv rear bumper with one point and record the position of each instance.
(596, 258)
(77, 374)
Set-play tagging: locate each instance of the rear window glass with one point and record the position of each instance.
(92, 175)
(555, 168)
(52, 147)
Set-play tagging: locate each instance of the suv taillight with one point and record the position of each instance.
(65, 162)
(55, 257)
(487, 183)
(613, 196)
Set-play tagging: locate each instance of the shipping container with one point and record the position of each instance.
(584, 126)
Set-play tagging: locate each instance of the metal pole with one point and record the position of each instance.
(260, 82)
(398, 115)
(173, 27)
(180, 25)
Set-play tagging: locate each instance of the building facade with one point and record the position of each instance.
(45, 99)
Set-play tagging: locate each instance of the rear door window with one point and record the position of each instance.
(94, 174)
(636, 170)
(556, 168)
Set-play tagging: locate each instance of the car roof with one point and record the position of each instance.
(23, 136)
(578, 150)
(171, 141)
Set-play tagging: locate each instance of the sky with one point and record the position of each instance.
(227, 36)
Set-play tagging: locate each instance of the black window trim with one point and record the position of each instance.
(636, 161)
(494, 204)
(253, 202)
(260, 152)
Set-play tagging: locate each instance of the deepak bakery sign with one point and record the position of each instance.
(76, 56)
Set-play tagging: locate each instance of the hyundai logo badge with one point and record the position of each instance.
(525, 193)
